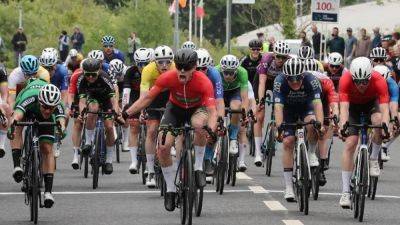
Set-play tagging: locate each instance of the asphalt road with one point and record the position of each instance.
(256, 199)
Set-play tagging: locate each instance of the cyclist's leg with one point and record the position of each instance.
(76, 140)
(234, 101)
(198, 120)
(312, 138)
(374, 169)
(110, 137)
(133, 142)
(3, 129)
(16, 146)
(93, 106)
(243, 148)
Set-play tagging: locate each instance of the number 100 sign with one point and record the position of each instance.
(325, 10)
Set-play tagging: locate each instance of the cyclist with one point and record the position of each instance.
(110, 52)
(335, 68)
(306, 52)
(191, 100)
(4, 109)
(131, 93)
(163, 56)
(297, 96)
(99, 55)
(96, 92)
(270, 66)
(189, 45)
(378, 56)
(235, 83)
(53, 51)
(73, 61)
(360, 89)
(43, 104)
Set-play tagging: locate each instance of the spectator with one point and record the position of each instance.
(364, 44)
(19, 42)
(336, 43)
(304, 39)
(271, 43)
(376, 42)
(2, 51)
(77, 39)
(133, 44)
(396, 36)
(63, 42)
(349, 47)
(265, 47)
(316, 41)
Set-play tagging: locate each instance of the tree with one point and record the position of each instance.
(112, 4)
(287, 17)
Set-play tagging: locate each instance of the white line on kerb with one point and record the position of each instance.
(275, 206)
(258, 189)
(242, 176)
(292, 222)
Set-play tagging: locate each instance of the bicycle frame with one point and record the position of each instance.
(300, 140)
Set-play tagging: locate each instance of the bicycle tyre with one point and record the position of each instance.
(223, 163)
(363, 184)
(270, 151)
(373, 186)
(96, 159)
(143, 172)
(233, 163)
(251, 139)
(85, 166)
(315, 174)
(182, 203)
(118, 149)
(355, 197)
(35, 185)
(199, 193)
(305, 178)
(191, 186)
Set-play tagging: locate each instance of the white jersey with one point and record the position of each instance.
(17, 77)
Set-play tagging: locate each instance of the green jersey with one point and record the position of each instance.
(241, 80)
(30, 84)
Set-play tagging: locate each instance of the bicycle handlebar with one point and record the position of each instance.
(176, 131)
(10, 134)
(344, 132)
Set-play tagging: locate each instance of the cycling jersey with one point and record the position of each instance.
(377, 89)
(31, 84)
(3, 76)
(393, 89)
(105, 66)
(150, 74)
(240, 82)
(73, 65)
(197, 92)
(16, 80)
(250, 65)
(329, 95)
(101, 90)
(335, 77)
(60, 77)
(72, 89)
(116, 54)
(269, 68)
(215, 78)
(132, 78)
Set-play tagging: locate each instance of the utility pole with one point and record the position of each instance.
(190, 20)
(176, 20)
(228, 24)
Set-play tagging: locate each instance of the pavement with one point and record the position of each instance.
(256, 199)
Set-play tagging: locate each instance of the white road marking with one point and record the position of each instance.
(292, 222)
(275, 206)
(258, 189)
(242, 176)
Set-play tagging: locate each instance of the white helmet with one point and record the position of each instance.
(281, 48)
(335, 59)
(96, 54)
(203, 58)
(51, 50)
(383, 70)
(49, 95)
(73, 53)
(152, 54)
(163, 52)
(306, 52)
(189, 44)
(48, 59)
(378, 52)
(361, 68)
(311, 65)
(117, 66)
(229, 62)
(142, 55)
(293, 67)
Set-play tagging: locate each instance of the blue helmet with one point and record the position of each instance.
(108, 40)
(29, 64)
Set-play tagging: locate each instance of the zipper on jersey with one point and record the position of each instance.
(184, 94)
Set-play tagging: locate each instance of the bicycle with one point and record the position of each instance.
(31, 163)
(221, 155)
(141, 152)
(118, 141)
(268, 146)
(360, 179)
(83, 158)
(250, 132)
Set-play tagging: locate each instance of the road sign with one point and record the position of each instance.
(325, 10)
(243, 1)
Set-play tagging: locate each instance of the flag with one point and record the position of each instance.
(200, 13)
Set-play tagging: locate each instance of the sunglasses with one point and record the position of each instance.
(184, 67)
(294, 78)
(164, 62)
(282, 57)
(229, 73)
(90, 74)
(46, 107)
(142, 64)
(201, 68)
(379, 60)
(256, 49)
(361, 81)
(334, 66)
(108, 46)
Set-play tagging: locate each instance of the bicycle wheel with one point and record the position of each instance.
(355, 196)
(363, 184)
(118, 143)
(198, 200)
(191, 186)
(250, 136)
(85, 166)
(143, 172)
(35, 185)
(315, 174)
(305, 178)
(223, 163)
(373, 186)
(270, 151)
(233, 165)
(96, 159)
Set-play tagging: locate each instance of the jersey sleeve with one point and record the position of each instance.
(393, 90)
(382, 90)
(315, 88)
(217, 82)
(146, 78)
(243, 78)
(279, 96)
(15, 78)
(329, 89)
(110, 91)
(208, 93)
(59, 112)
(64, 77)
(25, 104)
(72, 89)
(80, 87)
(344, 86)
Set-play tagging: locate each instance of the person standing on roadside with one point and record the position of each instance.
(63, 45)
(336, 43)
(376, 42)
(77, 39)
(304, 40)
(133, 44)
(364, 44)
(19, 42)
(350, 47)
(316, 40)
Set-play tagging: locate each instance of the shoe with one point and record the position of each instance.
(48, 200)
(57, 152)
(208, 167)
(313, 159)
(125, 147)
(86, 149)
(233, 147)
(345, 201)
(200, 178)
(242, 167)
(258, 161)
(2, 153)
(384, 155)
(173, 151)
(108, 169)
(133, 167)
(150, 182)
(75, 162)
(209, 179)
(169, 201)
(18, 174)
(289, 195)
(374, 169)
(322, 179)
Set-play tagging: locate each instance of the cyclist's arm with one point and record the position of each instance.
(261, 85)
(125, 97)
(384, 99)
(4, 91)
(316, 98)
(279, 101)
(394, 97)
(244, 85)
(145, 101)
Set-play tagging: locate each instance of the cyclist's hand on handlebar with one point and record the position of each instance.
(279, 134)
(119, 119)
(260, 107)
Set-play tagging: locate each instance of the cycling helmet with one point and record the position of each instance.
(293, 67)
(96, 54)
(281, 48)
(185, 59)
(255, 43)
(142, 55)
(48, 59)
(189, 44)
(117, 66)
(311, 65)
(91, 65)
(383, 70)
(49, 95)
(361, 68)
(29, 64)
(163, 52)
(51, 50)
(203, 58)
(229, 62)
(306, 52)
(152, 54)
(335, 59)
(108, 40)
(73, 53)
(378, 52)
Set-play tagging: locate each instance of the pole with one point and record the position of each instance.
(176, 26)
(228, 24)
(20, 14)
(201, 32)
(190, 20)
(195, 19)
(136, 4)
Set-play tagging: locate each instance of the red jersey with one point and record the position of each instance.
(377, 89)
(328, 90)
(73, 89)
(195, 93)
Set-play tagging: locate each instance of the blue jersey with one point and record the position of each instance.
(215, 78)
(60, 77)
(393, 89)
(309, 91)
(116, 54)
(105, 67)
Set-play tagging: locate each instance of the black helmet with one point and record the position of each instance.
(185, 59)
(90, 65)
(255, 43)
